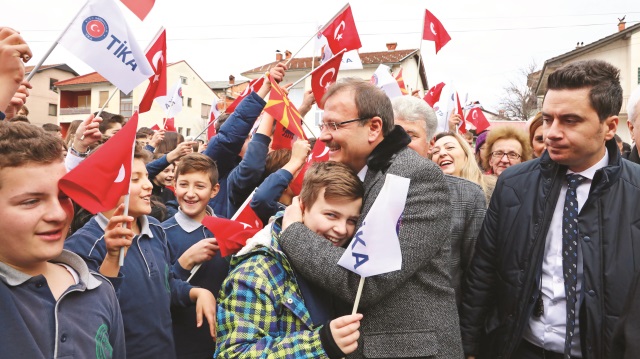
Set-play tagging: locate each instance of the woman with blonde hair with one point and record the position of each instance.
(506, 146)
(454, 156)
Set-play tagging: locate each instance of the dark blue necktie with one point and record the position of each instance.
(570, 255)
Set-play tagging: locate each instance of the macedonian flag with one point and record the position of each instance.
(281, 108)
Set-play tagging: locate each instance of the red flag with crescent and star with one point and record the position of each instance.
(254, 85)
(231, 235)
(478, 119)
(157, 56)
(433, 96)
(324, 76)
(281, 108)
(434, 31)
(341, 31)
(140, 8)
(99, 181)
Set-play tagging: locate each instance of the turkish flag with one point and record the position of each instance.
(434, 31)
(157, 56)
(254, 85)
(169, 125)
(319, 153)
(462, 128)
(282, 138)
(341, 32)
(403, 87)
(99, 181)
(140, 8)
(433, 96)
(477, 118)
(324, 76)
(246, 215)
(231, 235)
(281, 108)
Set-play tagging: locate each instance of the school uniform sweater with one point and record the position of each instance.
(84, 321)
(146, 285)
(183, 232)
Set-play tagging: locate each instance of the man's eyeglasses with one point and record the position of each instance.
(334, 126)
(510, 155)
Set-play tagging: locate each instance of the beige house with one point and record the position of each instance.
(407, 60)
(82, 95)
(43, 97)
(621, 49)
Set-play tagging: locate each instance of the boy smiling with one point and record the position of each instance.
(265, 306)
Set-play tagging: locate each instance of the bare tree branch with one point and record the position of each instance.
(519, 102)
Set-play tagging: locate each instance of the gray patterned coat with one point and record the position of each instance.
(410, 312)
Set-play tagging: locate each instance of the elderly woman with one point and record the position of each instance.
(452, 154)
(505, 146)
(536, 138)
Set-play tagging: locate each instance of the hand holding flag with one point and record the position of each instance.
(99, 181)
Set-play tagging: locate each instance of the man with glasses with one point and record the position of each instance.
(559, 244)
(410, 312)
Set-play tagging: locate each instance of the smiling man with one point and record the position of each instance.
(410, 312)
(556, 253)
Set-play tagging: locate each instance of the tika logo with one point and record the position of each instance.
(95, 28)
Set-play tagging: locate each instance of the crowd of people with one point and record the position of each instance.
(523, 244)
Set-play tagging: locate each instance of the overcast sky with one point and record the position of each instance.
(491, 40)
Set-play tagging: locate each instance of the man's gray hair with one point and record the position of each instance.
(412, 109)
(634, 99)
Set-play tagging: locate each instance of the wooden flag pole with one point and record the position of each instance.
(358, 295)
(103, 107)
(297, 52)
(126, 199)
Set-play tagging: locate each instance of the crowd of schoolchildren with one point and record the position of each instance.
(64, 293)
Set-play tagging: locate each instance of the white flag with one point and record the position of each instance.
(100, 36)
(444, 107)
(383, 79)
(172, 103)
(375, 249)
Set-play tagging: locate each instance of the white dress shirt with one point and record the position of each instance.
(548, 331)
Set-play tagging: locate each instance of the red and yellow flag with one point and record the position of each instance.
(281, 108)
(400, 80)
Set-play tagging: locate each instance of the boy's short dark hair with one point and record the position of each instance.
(197, 162)
(51, 127)
(22, 143)
(108, 120)
(338, 180)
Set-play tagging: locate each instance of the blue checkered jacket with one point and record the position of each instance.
(261, 312)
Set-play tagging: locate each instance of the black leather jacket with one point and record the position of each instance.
(504, 276)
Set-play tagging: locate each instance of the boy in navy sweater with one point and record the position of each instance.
(146, 284)
(51, 304)
(191, 243)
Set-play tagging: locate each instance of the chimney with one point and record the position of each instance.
(278, 55)
(392, 46)
(287, 54)
(621, 26)
(232, 80)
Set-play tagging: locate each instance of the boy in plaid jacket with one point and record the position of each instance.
(264, 308)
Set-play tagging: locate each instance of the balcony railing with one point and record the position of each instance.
(75, 111)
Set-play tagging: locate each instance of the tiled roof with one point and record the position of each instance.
(368, 58)
(90, 78)
(63, 67)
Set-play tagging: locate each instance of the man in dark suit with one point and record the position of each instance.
(558, 247)
(410, 312)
